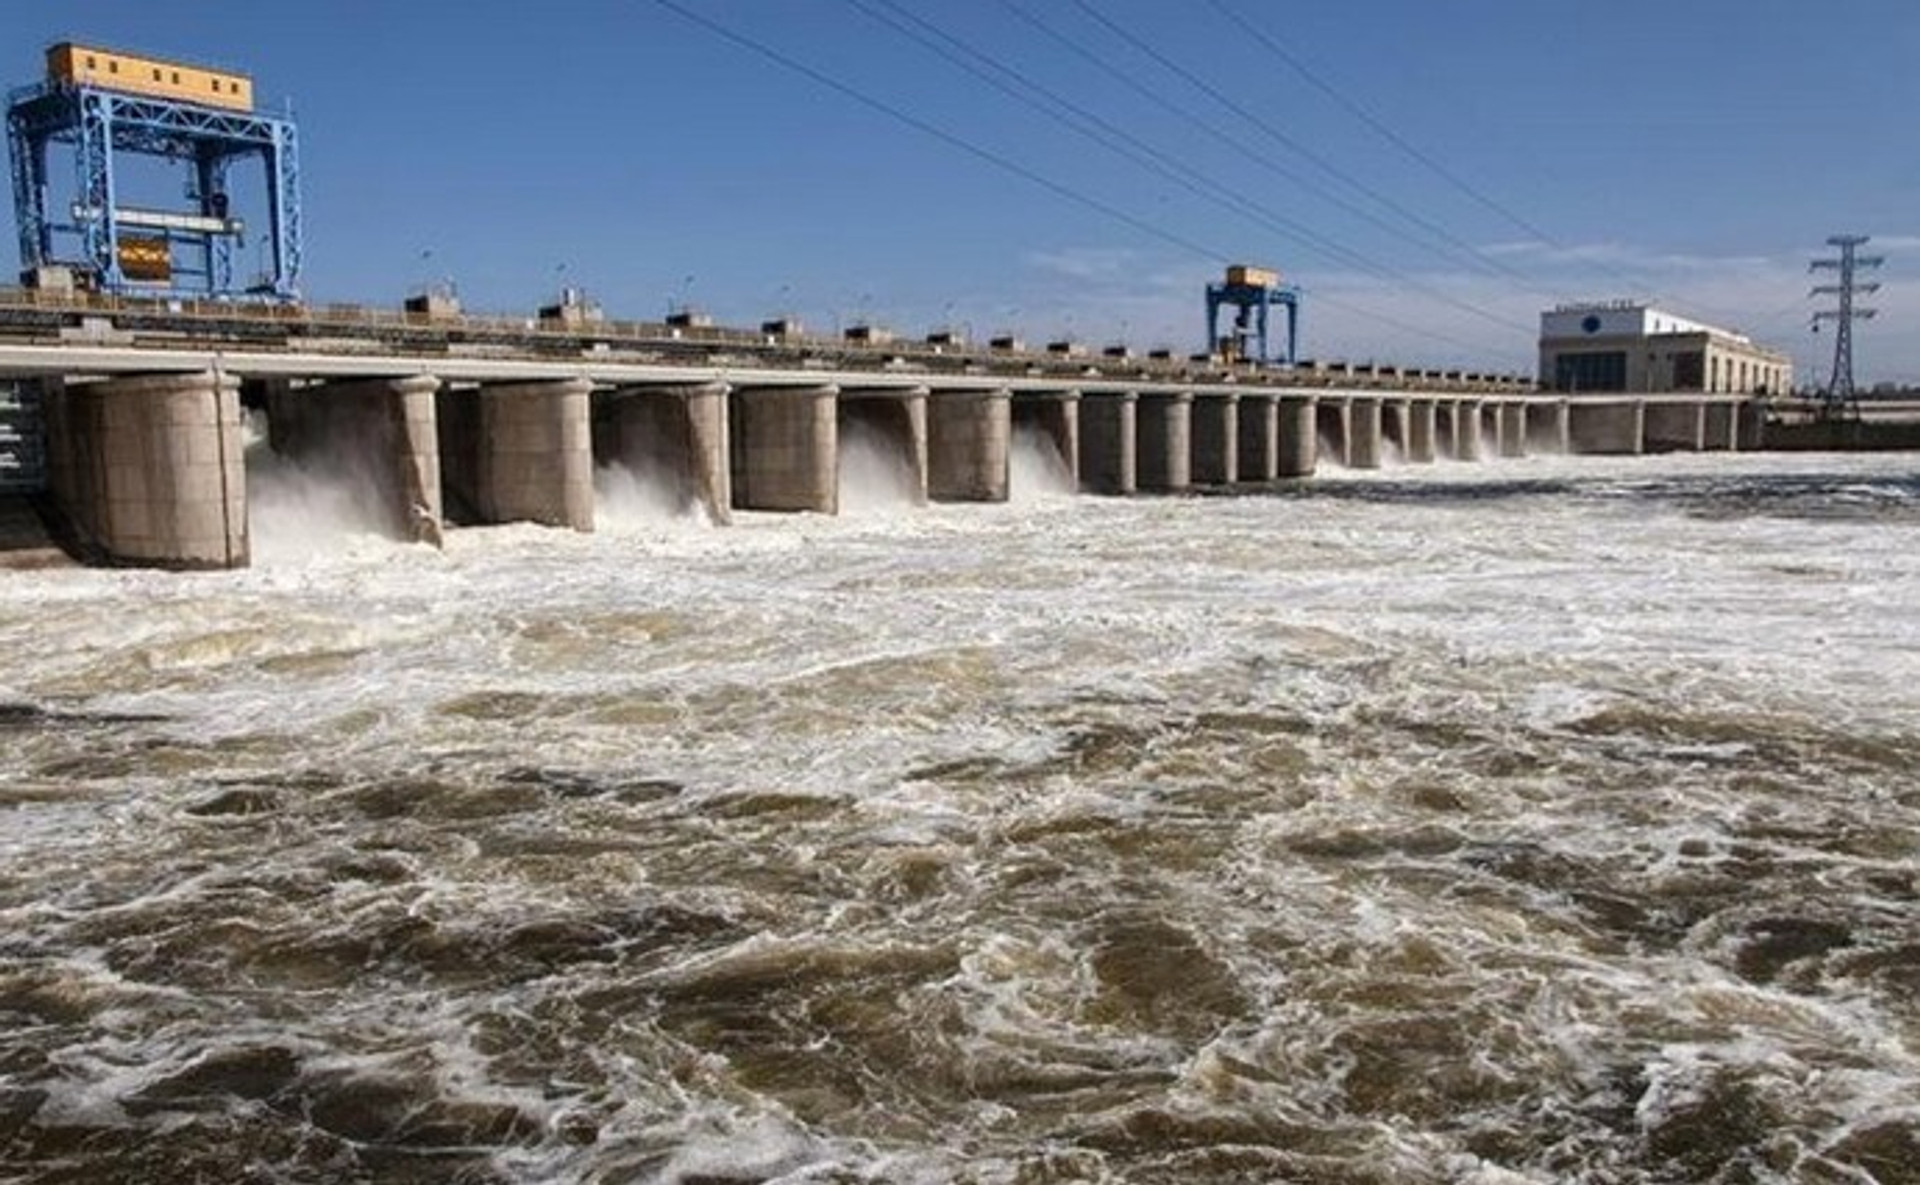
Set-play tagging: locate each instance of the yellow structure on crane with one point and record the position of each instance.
(109, 69)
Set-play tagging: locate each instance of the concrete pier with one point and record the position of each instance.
(1674, 425)
(1165, 441)
(1606, 426)
(1054, 416)
(1258, 424)
(1468, 415)
(1333, 424)
(969, 434)
(1513, 429)
(1109, 443)
(522, 452)
(1446, 429)
(1721, 430)
(894, 420)
(784, 448)
(1750, 425)
(673, 437)
(1364, 450)
(1419, 448)
(381, 436)
(1299, 436)
(1492, 432)
(1216, 440)
(1547, 426)
(150, 470)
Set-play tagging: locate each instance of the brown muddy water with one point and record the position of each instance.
(1553, 820)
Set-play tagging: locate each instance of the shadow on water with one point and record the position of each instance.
(1785, 495)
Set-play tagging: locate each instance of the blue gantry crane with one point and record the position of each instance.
(1253, 292)
(106, 106)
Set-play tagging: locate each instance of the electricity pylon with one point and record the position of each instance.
(1839, 397)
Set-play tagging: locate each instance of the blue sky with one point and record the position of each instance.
(1697, 152)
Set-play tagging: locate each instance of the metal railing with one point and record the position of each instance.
(20, 305)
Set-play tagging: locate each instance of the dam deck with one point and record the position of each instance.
(139, 416)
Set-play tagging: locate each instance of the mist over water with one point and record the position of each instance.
(1534, 821)
(297, 512)
(1036, 470)
(876, 476)
(627, 499)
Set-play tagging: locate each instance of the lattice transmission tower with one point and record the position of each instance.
(1839, 397)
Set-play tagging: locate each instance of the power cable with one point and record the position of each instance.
(1382, 129)
(1104, 132)
(999, 161)
(1478, 257)
(1386, 132)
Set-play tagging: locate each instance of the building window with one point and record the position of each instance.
(1600, 371)
(176, 78)
(1689, 371)
(113, 67)
(156, 75)
(90, 62)
(215, 83)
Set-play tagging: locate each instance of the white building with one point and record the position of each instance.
(1629, 346)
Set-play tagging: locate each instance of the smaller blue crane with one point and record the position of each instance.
(1252, 291)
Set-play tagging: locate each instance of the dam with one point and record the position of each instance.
(138, 433)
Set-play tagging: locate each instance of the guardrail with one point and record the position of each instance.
(406, 328)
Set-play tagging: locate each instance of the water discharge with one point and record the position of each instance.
(876, 475)
(627, 499)
(1037, 471)
(1545, 821)
(297, 512)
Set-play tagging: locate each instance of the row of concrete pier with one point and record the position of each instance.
(149, 468)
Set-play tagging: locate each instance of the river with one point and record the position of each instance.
(1541, 820)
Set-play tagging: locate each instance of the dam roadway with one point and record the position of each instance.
(144, 433)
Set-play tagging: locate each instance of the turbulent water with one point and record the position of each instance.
(1531, 821)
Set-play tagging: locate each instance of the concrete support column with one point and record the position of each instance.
(1216, 440)
(1364, 433)
(1258, 425)
(1299, 435)
(1333, 421)
(1547, 426)
(672, 435)
(1109, 443)
(1606, 425)
(1721, 431)
(784, 444)
(535, 460)
(1420, 431)
(1675, 425)
(1055, 418)
(1165, 438)
(895, 420)
(1446, 428)
(969, 434)
(1751, 421)
(150, 470)
(1467, 416)
(1513, 429)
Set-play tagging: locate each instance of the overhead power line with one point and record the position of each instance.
(1006, 164)
(1632, 279)
(1111, 136)
(1462, 249)
(1366, 117)
(941, 134)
